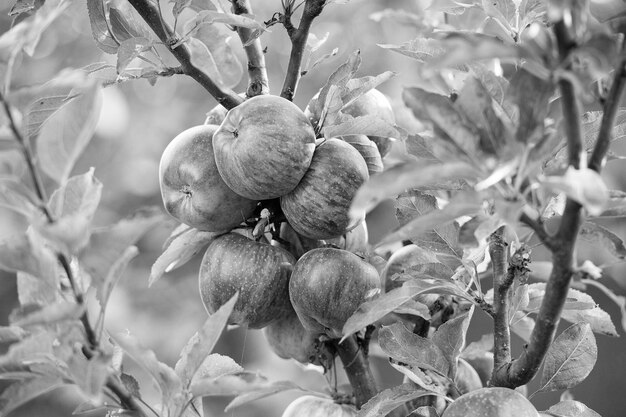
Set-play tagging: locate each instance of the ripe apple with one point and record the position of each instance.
(259, 272)
(354, 241)
(193, 190)
(374, 103)
(311, 406)
(368, 150)
(263, 147)
(491, 402)
(327, 286)
(318, 207)
(290, 340)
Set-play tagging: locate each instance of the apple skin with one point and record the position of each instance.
(368, 150)
(263, 147)
(193, 190)
(355, 240)
(290, 340)
(374, 103)
(312, 406)
(216, 115)
(318, 207)
(491, 402)
(327, 286)
(259, 272)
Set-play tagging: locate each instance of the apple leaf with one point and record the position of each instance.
(65, 134)
(179, 251)
(103, 291)
(90, 375)
(422, 148)
(203, 342)
(11, 334)
(413, 174)
(43, 108)
(218, 41)
(594, 233)
(201, 57)
(257, 394)
(532, 96)
(357, 87)
(167, 380)
(237, 384)
(450, 338)
(430, 220)
(126, 22)
(27, 253)
(388, 400)
(522, 325)
(571, 408)
(216, 365)
(406, 347)
(108, 244)
(618, 211)
(570, 359)
(478, 229)
(425, 411)
(205, 17)
(368, 150)
(421, 49)
(23, 391)
(130, 49)
(100, 28)
(373, 310)
(519, 301)
(15, 196)
(362, 125)
(583, 185)
(52, 313)
(427, 379)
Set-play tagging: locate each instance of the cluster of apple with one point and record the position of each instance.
(260, 164)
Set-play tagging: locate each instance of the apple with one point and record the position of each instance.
(482, 362)
(368, 150)
(318, 207)
(491, 402)
(258, 271)
(312, 406)
(217, 114)
(290, 340)
(374, 103)
(327, 286)
(355, 240)
(466, 378)
(193, 190)
(297, 244)
(263, 147)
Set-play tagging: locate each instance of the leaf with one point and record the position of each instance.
(108, 244)
(90, 375)
(594, 233)
(237, 384)
(126, 22)
(179, 251)
(441, 112)
(570, 359)
(179, 6)
(434, 220)
(15, 196)
(403, 346)
(66, 133)
(450, 338)
(11, 334)
(373, 310)
(218, 41)
(424, 378)
(201, 58)
(522, 325)
(25, 6)
(131, 384)
(99, 26)
(104, 290)
(73, 207)
(216, 365)
(368, 150)
(203, 342)
(571, 408)
(27, 253)
(363, 125)
(246, 21)
(165, 377)
(274, 388)
(53, 313)
(532, 96)
(421, 49)
(583, 185)
(412, 174)
(130, 49)
(357, 87)
(421, 147)
(21, 392)
(388, 400)
(43, 108)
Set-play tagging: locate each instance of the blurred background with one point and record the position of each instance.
(137, 122)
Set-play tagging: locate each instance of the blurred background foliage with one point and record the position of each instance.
(137, 122)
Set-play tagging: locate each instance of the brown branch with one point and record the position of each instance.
(258, 82)
(150, 13)
(501, 287)
(611, 104)
(538, 227)
(312, 9)
(357, 368)
(525, 367)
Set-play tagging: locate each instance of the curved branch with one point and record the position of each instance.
(312, 9)
(258, 83)
(150, 13)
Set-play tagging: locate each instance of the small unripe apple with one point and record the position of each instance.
(327, 286)
(311, 406)
(374, 103)
(318, 207)
(491, 402)
(258, 271)
(193, 190)
(466, 378)
(368, 150)
(263, 147)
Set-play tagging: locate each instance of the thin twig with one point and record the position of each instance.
(539, 228)
(611, 104)
(312, 9)
(258, 82)
(150, 13)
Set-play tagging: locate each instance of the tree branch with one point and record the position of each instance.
(312, 9)
(358, 370)
(538, 227)
(126, 399)
(501, 287)
(525, 367)
(611, 104)
(258, 82)
(150, 13)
